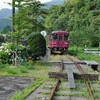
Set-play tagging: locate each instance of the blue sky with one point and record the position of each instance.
(3, 3)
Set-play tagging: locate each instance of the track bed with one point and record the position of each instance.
(63, 91)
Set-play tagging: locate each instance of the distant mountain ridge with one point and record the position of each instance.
(54, 2)
(4, 17)
(6, 13)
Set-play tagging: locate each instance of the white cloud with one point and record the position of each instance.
(4, 3)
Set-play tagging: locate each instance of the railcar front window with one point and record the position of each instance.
(54, 37)
(65, 37)
(60, 38)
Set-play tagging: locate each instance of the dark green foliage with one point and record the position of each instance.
(1, 38)
(2, 65)
(79, 17)
(37, 45)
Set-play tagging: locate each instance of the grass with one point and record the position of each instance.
(85, 56)
(25, 68)
(58, 57)
(11, 70)
(96, 92)
(37, 69)
(21, 95)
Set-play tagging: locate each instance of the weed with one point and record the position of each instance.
(23, 70)
(85, 56)
(21, 95)
(11, 70)
(44, 92)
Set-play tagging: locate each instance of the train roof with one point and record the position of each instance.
(59, 32)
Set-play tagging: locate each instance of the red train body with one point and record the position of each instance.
(58, 41)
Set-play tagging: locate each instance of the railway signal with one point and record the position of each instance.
(43, 33)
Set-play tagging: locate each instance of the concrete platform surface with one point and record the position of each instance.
(11, 84)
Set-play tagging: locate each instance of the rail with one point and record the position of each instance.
(57, 83)
(86, 81)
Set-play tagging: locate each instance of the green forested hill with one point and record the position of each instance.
(54, 2)
(6, 13)
(80, 17)
(4, 23)
(4, 17)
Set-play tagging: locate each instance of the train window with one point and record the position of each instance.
(65, 37)
(54, 37)
(60, 38)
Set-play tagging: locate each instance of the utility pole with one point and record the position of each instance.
(13, 15)
(13, 23)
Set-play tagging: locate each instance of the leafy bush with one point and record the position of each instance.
(4, 57)
(7, 50)
(37, 45)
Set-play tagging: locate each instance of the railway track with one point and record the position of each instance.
(45, 93)
(58, 81)
(87, 83)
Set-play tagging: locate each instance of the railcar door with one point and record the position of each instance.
(61, 40)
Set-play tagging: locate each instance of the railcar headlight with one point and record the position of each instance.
(66, 43)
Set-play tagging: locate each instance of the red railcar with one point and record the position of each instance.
(58, 41)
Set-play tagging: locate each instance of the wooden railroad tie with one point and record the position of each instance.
(90, 77)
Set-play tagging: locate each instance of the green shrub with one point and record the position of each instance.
(3, 57)
(24, 63)
(37, 45)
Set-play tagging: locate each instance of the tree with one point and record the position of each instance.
(28, 19)
(79, 17)
(34, 14)
(37, 45)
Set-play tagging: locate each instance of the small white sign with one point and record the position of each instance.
(43, 33)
